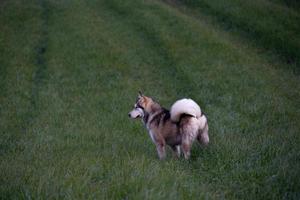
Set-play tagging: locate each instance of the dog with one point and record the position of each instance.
(177, 128)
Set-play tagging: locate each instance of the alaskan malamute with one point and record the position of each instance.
(177, 128)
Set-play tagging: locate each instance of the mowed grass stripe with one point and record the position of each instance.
(269, 25)
(291, 4)
(21, 35)
(19, 64)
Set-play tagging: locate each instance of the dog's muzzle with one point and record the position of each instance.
(136, 113)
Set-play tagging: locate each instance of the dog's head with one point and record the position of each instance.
(141, 105)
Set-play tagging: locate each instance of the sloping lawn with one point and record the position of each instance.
(70, 72)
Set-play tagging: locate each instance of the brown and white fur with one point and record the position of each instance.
(177, 128)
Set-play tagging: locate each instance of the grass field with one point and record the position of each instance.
(70, 72)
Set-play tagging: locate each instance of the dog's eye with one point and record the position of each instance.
(138, 106)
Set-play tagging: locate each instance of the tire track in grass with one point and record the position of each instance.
(3, 70)
(39, 77)
(25, 77)
(41, 65)
(36, 59)
(40, 73)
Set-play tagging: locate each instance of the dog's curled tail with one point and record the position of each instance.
(184, 106)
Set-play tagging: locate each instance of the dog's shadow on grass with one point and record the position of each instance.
(197, 153)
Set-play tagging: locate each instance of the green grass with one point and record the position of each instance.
(70, 72)
(270, 24)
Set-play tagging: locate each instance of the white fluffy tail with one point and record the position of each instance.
(184, 106)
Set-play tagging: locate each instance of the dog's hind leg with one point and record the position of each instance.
(203, 136)
(176, 150)
(186, 146)
(189, 131)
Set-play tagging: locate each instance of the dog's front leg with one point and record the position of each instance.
(161, 150)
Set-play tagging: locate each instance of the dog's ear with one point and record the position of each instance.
(140, 94)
